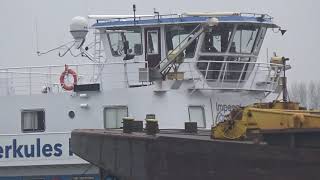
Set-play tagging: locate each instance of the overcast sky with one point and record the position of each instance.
(18, 18)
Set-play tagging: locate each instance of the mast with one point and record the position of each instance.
(285, 89)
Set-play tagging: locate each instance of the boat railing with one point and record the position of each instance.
(220, 75)
(137, 18)
(46, 79)
(234, 75)
(164, 16)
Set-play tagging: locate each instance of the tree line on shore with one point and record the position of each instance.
(306, 93)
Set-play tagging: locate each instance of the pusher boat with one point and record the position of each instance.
(192, 67)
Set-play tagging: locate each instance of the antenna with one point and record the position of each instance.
(156, 13)
(37, 38)
(285, 89)
(134, 13)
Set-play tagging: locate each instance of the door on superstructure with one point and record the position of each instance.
(152, 46)
(113, 116)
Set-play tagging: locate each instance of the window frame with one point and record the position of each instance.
(168, 30)
(259, 41)
(34, 111)
(110, 45)
(210, 69)
(115, 31)
(157, 43)
(254, 43)
(112, 107)
(203, 114)
(230, 38)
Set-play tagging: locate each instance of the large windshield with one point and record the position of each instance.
(217, 39)
(215, 68)
(131, 37)
(244, 39)
(227, 49)
(176, 36)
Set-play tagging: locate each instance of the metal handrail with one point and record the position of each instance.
(174, 15)
(269, 72)
(82, 64)
(30, 79)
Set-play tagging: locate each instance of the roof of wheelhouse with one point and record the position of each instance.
(111, 21)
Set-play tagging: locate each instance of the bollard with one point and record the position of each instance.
(190, 127)
(127, 124)
(152, 126)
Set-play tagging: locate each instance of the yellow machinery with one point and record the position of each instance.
(262, 118)
(278, 116)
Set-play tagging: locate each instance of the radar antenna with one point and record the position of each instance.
(79, 31)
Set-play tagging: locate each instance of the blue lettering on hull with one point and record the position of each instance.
(222, 110)
(16, 150)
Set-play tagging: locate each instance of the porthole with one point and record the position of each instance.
(71, 114)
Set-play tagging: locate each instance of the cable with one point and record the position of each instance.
(60, 47)
(68, 50)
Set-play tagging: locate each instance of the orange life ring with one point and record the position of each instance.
(62, 76)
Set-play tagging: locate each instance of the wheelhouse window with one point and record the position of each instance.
(176, 36)
(236, 69)
(196, 114)
(33, 120)
(239, 44)
(113, 116)
(153, 42)
(258, 44)
(216, 40)
(125, 41)
(210, 66)
(244, 39)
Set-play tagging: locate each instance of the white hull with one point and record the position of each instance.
(170, 108)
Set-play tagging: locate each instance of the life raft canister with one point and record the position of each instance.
(65, 73)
